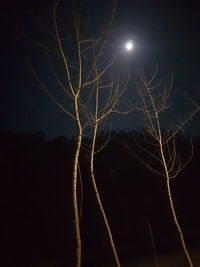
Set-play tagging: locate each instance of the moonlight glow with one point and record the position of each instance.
(129, 45)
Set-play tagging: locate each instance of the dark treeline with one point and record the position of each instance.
(36, 202)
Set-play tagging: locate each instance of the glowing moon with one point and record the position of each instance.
(129, 45)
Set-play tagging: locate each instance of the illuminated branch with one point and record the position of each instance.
(99, 74)
(50, 95)
(58, 80)
(64, 59)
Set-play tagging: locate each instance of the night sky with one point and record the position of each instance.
(37, 172)
(165, 32)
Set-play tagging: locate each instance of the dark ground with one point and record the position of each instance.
(36, 204)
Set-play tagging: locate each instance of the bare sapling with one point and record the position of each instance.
(161, 145)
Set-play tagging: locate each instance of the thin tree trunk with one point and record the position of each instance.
(166, 170)
(190, 264)
(98, 199)
(74, 189)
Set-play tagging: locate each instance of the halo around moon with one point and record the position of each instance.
(129, 46)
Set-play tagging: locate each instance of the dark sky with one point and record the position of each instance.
(168, 32)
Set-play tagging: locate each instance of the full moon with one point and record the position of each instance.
(129, 45)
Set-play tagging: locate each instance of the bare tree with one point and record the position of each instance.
(104, 103)
(86, 74)
(161, 145)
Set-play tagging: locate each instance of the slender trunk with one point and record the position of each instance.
(74, 189)
(190, 264)
(98, 199)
